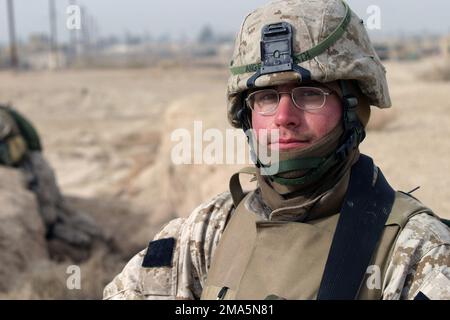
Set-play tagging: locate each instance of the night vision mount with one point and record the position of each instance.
(277, 54)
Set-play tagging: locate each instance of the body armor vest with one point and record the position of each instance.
(259, 259)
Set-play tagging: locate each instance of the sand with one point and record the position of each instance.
(107, 132)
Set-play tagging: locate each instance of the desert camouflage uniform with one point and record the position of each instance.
(420, 260)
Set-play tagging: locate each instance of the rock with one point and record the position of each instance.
(22, 231)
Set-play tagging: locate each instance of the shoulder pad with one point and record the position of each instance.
(405, 206)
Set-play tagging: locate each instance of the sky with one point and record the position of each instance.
(181, 18)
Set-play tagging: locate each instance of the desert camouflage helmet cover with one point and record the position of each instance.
(351, 56)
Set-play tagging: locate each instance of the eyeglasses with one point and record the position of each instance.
(266, 101)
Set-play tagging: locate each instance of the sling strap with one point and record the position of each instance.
(364, 212)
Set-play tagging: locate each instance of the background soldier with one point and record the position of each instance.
(70, 232)
(327, 225)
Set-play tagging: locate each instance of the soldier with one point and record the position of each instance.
(326, 225)
(70, 232)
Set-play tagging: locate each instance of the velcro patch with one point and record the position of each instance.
(436, 286)
(159, 253)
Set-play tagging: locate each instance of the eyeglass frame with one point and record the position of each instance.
(279, 93)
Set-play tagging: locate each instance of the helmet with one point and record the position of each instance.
(304, 40)
(7, 125)
(12, 144)
(17, 136)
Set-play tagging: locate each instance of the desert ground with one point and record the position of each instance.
(107, 134)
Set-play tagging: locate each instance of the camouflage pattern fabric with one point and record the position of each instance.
(420, 260)
(7, 125)
(12, 144)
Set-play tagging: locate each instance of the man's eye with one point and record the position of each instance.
(310, 93)
(268, 97)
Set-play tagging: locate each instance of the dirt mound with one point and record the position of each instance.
(436, 70)
(27, 272)
(22, 232)
(44, 234)
(171, 190)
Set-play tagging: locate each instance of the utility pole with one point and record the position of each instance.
(12, 34)
(53, 32)
(73, 35)
(86, 30)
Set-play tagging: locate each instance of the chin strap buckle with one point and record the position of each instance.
(350, 116)
(350, 143)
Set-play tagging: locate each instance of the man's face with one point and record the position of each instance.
(298, 128)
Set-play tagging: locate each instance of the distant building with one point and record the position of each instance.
(445, 46)
(382, 51)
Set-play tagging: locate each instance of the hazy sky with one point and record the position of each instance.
(179, 18)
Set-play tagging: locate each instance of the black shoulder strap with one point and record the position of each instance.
(364, 213)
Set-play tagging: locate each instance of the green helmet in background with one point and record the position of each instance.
(12, 145)
(17, 136)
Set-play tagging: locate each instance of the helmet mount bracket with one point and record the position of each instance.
(277, 53)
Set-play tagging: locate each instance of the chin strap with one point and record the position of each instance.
(316, 167)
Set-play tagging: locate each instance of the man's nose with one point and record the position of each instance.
(287, 112)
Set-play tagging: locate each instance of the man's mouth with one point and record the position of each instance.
(289, 143)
